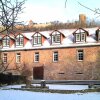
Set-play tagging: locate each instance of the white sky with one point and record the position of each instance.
(42, 11)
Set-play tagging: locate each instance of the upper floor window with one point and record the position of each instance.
(19, 40)
(56, 37)
(55, 56)
(80, 55)
(5, 58)
(80, 37)
(18, 57)
(37, 39)
(36, 57)
(6, 41)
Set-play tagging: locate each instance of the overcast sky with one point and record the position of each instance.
(42, 11)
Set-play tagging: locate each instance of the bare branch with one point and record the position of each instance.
(65, 3)
(96, 11)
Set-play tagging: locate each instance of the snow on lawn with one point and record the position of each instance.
(68, 87)
(27, 95)
(59, 87)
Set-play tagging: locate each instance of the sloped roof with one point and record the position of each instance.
(80, 30)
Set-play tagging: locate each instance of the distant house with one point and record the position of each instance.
(66, 54)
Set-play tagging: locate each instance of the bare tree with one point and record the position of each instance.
(4, 66)
(9, 11)
(26, 72)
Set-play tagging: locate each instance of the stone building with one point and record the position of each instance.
(66, 54)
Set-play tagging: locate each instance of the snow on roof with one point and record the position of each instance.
(67, 32)
(68, 40)
(45, 33)
(28, 35)
(91, 31)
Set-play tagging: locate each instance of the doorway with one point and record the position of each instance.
(38, 72)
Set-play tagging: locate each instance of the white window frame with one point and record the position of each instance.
(82, 34)
(18, 57)
(19, 40)
(55, 56)
(36, 57)
(37, 39)
(80, 55)
(78, 38)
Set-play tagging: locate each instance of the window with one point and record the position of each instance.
(36, 57)
(77, 37)
(80, 37)
(80, 55)
(37, 39)
(5, 58)
(6, 41)
(18, 58)
(19, 40)
(55, 56)
(56, 38)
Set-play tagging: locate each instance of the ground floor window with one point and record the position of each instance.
(80, 55)
(5, 58)
(55, 56)
(36, 57)
(18, 57)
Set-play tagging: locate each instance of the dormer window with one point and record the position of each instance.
(6, 41)
(80, 35)
(56, 37)
(19, 40)
(37, 39)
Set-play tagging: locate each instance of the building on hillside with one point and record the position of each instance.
(67, 54)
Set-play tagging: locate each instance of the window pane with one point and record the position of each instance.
(39, 40)
(55, 56)
(80, 55)
(53, 39)
(82, 36)
(35, 40)
(57, 38)
(77, 37)
(6, 41)
(18, 58)
(36, 57)
(19, 40)
(4, 58)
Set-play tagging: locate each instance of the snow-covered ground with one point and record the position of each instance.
(59, 87)
(27, 95)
